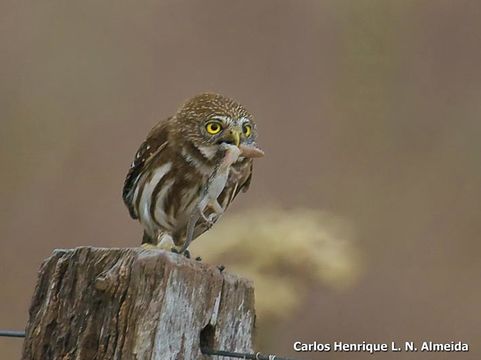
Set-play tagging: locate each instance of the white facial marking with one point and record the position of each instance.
(208, 151)
(225, 119)
(243, 120)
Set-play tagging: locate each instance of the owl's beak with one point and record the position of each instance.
(235, 135)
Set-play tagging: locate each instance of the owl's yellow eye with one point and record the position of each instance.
(247, 130)
(213, 127)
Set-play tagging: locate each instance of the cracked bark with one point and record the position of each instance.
(92, 303)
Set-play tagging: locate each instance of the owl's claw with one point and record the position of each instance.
(209, 220)
(221, 268)
(186, 253)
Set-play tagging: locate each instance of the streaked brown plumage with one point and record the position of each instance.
(172, 168)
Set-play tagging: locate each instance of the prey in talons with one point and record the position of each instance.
(215, 185)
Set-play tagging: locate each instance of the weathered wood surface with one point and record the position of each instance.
(92, 303)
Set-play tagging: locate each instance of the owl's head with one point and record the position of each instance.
(212, 119)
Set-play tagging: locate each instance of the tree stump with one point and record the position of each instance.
(92, 303)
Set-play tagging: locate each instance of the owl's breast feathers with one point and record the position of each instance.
(165, 181)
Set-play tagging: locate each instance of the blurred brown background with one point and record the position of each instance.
(369, 110)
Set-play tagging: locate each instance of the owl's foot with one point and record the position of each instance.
(164, 242)
(208, 223)
(186, 253)
(209, 220)
(158, 247)
(198, 258)
(221, 268)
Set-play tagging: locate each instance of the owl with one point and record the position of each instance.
(189, 169)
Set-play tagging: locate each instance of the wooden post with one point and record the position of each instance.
(92, 303)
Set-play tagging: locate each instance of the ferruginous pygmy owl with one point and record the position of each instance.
(189, 169)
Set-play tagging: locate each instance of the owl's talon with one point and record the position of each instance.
(212, 219)
(198, 258)
(209, 220)
(221, 268)
(209, 224)
(186, 253)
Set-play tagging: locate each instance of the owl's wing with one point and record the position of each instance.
(156, 141)
(239, 179)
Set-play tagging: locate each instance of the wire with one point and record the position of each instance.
(205, 351)
(256, 356)
(10, 333)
